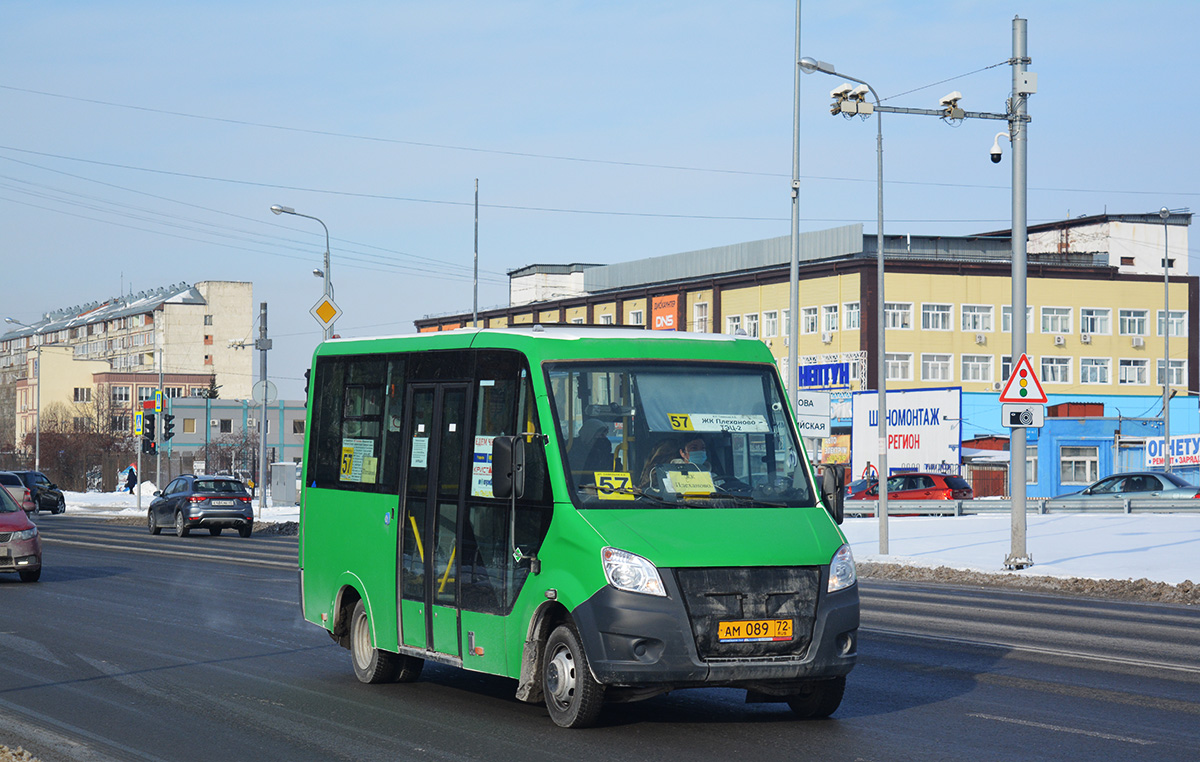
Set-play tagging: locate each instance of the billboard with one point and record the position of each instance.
(924, 430)
(1185, 451)
(664, 312)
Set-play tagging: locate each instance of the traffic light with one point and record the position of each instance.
(149, 447)
(148, 427)
(168, 426)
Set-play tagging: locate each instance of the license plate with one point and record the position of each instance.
(754, 631)
(221, 502)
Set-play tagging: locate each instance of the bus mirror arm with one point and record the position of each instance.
(508, 481)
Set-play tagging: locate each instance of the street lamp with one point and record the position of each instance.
(854, 103)
(323, 273)
(37, 436)
(1164, 213)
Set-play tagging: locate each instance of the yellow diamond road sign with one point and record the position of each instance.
(325, 311)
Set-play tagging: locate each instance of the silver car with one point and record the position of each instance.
(1138, 485)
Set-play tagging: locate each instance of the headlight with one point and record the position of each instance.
(625, 571)
(27, 534)
(842, 572)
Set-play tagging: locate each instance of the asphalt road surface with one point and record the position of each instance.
(133, 647)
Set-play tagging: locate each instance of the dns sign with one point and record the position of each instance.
(663, 310)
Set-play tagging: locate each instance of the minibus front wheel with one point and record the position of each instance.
(573, 697)
(820, 700)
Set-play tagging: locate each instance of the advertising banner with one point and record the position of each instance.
(924, 430)
(664, 312)
(1185, 451)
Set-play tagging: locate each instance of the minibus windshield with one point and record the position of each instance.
(677, 434)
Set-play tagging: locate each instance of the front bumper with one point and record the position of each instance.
(23, 555)
(644, 641)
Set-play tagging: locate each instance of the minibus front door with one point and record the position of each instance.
(436, 422)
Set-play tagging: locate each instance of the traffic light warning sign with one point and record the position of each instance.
(1023, 385)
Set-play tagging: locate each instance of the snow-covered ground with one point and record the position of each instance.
(1161, 547)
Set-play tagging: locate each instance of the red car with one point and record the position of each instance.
(20, 546)
(919, 486)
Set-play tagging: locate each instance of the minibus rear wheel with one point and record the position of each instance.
(371, 665)
(573, 697)
(820, 700)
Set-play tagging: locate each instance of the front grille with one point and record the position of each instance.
(5, 536)
(753, 593)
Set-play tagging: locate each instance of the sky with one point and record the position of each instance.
(143, 143)
(1160, 547)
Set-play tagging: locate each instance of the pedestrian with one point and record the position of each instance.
(131, 480)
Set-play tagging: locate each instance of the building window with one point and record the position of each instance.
(1006, 319)
(226, 425)
(636, 318)
(145, 393)
(189, 425)
(770, 327)
(808, 320)
(1056, 319)
(897, 315)
(83, 394)
(577, 321)
(208, 320)
(208, 360)
(1178, 318)
(752, 325)
(1177, 372)
(852, 317)
(1031, 464)
(119, 423)
(208, 339)
(1006, 366)
(977, 368)
(936, 317)
(829, 318)
(1095, 370)
(298, 426)
(173, 391)
(1132, 372)
(733, 323)
(786, 326)
(120, 395)
(1095, 320)
(606, 320)
(700, 317)
(899, 366)
(935, 367)
(1132, 322)
(976, 317)
(1079, 464)
(1056, 370)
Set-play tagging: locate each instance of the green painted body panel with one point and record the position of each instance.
(414, 623)
(682, 537)
(445, 630)
(490, 636)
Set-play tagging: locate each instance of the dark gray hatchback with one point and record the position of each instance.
(202, 502)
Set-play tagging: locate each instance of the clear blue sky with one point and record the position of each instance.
(142, 143)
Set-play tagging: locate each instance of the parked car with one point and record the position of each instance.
(862, 489)
(1137, 485)
(919, 486)
(16, 489)
(20, 545)
(45, 493)
(202, 502)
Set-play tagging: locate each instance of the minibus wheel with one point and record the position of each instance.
(820, 700)
(371, 665)
(573, 697)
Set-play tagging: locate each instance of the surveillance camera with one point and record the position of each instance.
(952, 99)
(996, 156)
(840, 91)
(996, 147)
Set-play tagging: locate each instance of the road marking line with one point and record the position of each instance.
(163, 552)
(1063, 729)
(1039, 650)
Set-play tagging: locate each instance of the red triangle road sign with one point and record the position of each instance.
(1023, 384)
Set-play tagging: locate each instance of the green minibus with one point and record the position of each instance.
(599, 514)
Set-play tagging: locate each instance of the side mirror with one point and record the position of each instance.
(157, 492)
(833, 490)
(508, 467)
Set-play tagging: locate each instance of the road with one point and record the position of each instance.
(135, 647)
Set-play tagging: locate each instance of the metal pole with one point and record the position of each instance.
(158, 423)
(881, 359)
(37, 432)
(475, 278)
(793, 329)
(328, 278)
(263, 345)
(1018, 557)
(1165, 213)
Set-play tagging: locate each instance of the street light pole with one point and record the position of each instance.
(1164, 213)
(277, 209)
(809, 65)
(37, 423)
